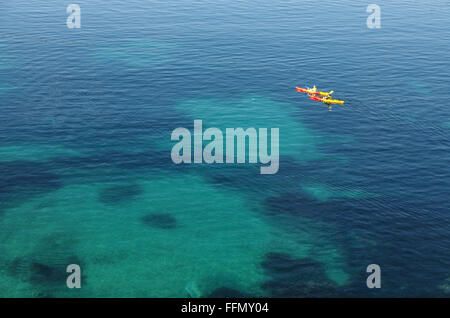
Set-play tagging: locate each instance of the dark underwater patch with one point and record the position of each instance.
(340, 220)
(18, 267)
(342, 214)
(248, 177)
(226, 292)
(47, 274)
(118, 194)
(20, 175)
(42, 272)
(296, 277)
(45, 268)
(24, 179)
(160, 221)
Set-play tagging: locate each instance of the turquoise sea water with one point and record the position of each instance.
(86, 174)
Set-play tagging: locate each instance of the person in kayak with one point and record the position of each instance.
(325, 99)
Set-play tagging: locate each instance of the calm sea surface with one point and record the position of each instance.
(86, 175)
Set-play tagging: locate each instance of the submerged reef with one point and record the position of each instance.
(118, 194)
(44, 268)
(160, 220)
(226, 292)
(296, 277)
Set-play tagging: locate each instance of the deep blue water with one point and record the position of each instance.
(86, 176)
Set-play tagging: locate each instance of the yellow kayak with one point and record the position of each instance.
(326, 100)
(324, 97)
(325, 93)
(333, 101)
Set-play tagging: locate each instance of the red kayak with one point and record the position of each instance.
(313, 91)
(306, 90)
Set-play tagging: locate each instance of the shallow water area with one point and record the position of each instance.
(85, 149)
